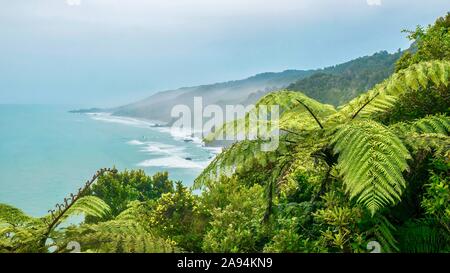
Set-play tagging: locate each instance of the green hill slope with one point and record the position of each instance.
(338, 84)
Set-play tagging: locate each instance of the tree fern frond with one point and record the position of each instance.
(13, 216)
(383, 232)
(125, 236)
(384, 95)
(311, 113)
(438, 142)
(422, 237)
(430, 132)
(89, 206)
(288, 100)
(435, 124)
(292, 115)
(371, 161)
(239, 157)
(61, 212)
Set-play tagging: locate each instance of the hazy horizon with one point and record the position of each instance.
(85, 105)
(106, 53)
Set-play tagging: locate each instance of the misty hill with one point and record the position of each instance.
(334, 85)
(159, 105)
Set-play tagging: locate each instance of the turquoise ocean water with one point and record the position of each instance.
(47, 153)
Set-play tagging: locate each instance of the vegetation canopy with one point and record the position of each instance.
(372, 170)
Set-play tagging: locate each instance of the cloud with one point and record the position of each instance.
(374, 2)
(73, 2)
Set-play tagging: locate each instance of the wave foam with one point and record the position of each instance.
(108, 117)
(182, 134)
(158, 148)
(171, 156)
(135, 142)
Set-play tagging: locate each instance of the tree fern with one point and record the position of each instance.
(371, 157)
(384, 231)
(116, 236)
(293, 115)
(125, 233)
(423, 236)
(288, 100)
(13, 216)
(241, 156)
(88, 206)
(371, 162)
(23, 233)
(63, 210)
(384, 95)
(18, 231)
(430, 132)
(433, 124)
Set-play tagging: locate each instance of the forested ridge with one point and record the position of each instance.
(374, 169)
(338, 84)
(334, 85)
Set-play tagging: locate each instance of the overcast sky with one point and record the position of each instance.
(109, 52)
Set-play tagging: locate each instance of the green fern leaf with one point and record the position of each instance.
(384, 95)
(371, 161)
(88, 206)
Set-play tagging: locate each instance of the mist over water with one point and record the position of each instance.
(47, 153)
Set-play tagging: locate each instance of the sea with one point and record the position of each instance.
(46, 153)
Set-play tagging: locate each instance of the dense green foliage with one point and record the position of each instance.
(117, 190)
(338, 84)
(372, 171)
(180, 216)
(431, 43)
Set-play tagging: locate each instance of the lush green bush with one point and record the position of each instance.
(374, 172)
(237, 227)
(117, 190)
(436, 200)
(431, 43)
(180, 216)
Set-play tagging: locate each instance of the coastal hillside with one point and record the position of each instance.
(334, 85)
(159, 105)
(338, 84)
(369, 176)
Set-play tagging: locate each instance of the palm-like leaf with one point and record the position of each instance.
(13, 216)
(384, 95)
(430, 132)
(292, 115)
(89, 206)
(435, 124)
(116, 236)
(240, 156)
(383, 232)
(371, 161)
(125, 233)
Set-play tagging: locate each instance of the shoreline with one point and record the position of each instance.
(177, 134)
